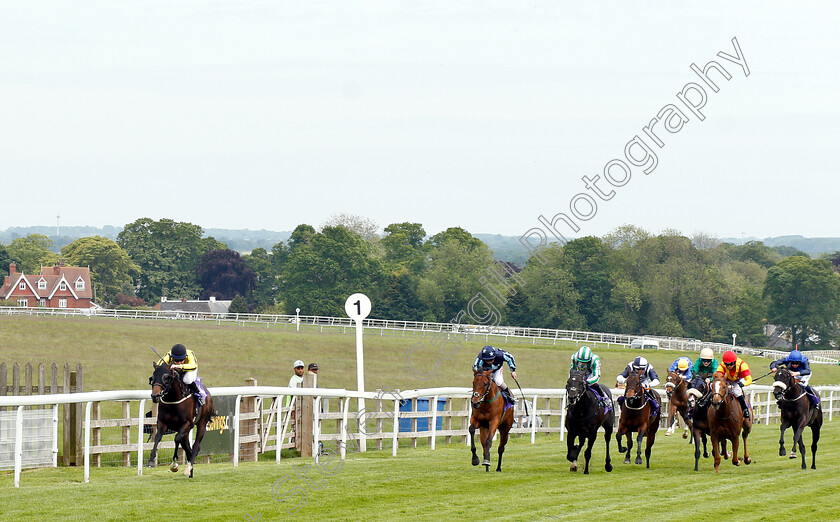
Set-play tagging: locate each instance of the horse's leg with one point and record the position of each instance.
(815, 437)
(782, 427)
(705, 440)
(588, 453)
(486, 442)
(672, 417)
(608, 428)
(798, 442)
(639, 445)
(200, 429)
(182, 437)
(503, 438)
(572, 450)
(695, 434)
(735, 444)
(173, 466)
(688, 423)
(651, 438)
(716, 450)
(473, 425)
(161, 429)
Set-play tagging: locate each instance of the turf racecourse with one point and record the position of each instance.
(418, 483)
(421, 484)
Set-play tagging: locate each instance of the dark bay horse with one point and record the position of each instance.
(796, 412)
(583, 418)
(636, 417)
(727, 422)
(488, 414)
(676, 388)
(699, 407)
(177, 411)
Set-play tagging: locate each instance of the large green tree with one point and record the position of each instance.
(31, 252)
(265, 280)
(804, 296)
(548, 298)
(111, 269)
(167, 252)
(324, 268)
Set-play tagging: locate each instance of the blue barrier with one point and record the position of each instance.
(422, 405)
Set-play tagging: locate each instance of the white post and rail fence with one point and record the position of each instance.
(258, 422)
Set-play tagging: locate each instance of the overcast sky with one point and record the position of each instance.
(479, 114)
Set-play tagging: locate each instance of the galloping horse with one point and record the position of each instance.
(699, 419)
(177, 411)
(585, 415)
(796, 412)
(727, 422)
(636, 416)
(676, 387)
(488, 415)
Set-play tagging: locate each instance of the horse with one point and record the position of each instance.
(796, 412)
(488, 415)
(177, 411)
(585, 415)
(699, 419)
(636, 416)
(727, 422)
(676, 388)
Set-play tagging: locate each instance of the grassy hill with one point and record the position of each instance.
(116, 354)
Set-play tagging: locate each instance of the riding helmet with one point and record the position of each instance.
(729, 357)
(640, 363)
(178, 352)
(584, 354)
(795, 356)
(683, 364)
(707, 354)
(488, 353)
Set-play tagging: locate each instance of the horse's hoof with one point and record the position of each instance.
(638, 460)
(627, 460)
(485, 463)
(782, 452)
(586, 472)
(705, 455)
(685, 434)
(728, 455)
(608, 467)
(792, 455)
(173, 467)
(486, 468)
(150, 464)
(747, 461)
(475, 460)
(188, 470)
(736, 462)
(669, 432)
(573, 467)
(498, 470)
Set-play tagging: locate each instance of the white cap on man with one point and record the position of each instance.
(298, 364)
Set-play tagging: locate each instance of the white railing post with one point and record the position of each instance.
(395, 442)
(18, 445)
(534, 420)
(278, 421)
(236, 432)
(88, 407)
(346, 404)
(433, 430)
(55, 435)
(562, 417)
(767, 413)
(141, 425)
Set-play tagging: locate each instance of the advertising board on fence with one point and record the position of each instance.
(218, 440)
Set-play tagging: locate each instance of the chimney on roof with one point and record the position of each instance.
(12, 268)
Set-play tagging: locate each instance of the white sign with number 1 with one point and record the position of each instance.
(358, 307)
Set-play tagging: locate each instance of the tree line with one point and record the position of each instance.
(628, 281)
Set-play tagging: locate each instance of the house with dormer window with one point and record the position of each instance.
(57, 286)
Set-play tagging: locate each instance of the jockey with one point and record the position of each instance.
(649, 377)
(590, 364)
(798, 366)
(492, 359)
(706, 365)
(185, 361)
(683, 367)
(737, 373)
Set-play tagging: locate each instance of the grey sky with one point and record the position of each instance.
(483, 114)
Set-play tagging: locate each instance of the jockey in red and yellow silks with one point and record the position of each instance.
(737, 373)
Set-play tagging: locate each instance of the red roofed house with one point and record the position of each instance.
(57, 286)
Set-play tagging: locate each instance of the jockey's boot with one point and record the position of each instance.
(198, 395)
(508, 394)
(743, 401)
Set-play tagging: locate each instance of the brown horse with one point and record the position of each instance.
(636, 417)
(177, 411)
(726, 421)
(488, 414)
(585, 415)
(676, 388)
(796, 412)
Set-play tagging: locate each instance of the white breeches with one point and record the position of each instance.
(497, 378)
(737, 391)
(189, 377)
(803, 379)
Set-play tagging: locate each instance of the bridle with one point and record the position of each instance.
(166, 387)
(670, 386)
(478, 399)
(787, 386)
(639, 391)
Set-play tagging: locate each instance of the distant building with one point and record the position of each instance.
(197, 306)
(57, 286)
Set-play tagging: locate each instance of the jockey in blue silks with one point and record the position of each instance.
(492, 359)
(799, 369)
(683, 367)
